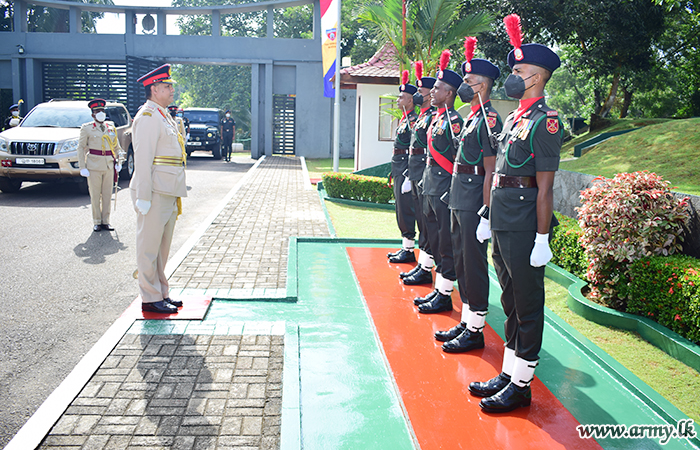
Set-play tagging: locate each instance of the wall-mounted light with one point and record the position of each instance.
(20, 50)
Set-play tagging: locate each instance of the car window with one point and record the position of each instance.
(57, 117)
(202, 116)
(118, 115)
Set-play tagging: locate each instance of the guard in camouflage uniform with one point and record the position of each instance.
(422, 272)
(442, 146)
(521, 219)
(405, 208)
(469, 200)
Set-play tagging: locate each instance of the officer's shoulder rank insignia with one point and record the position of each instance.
(491, 119)
(146, 113)
(552, 125)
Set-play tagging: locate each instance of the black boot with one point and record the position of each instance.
(420, 300)
(438, 304)
(404, 256)
(420, 277)
(390, 254)
(444, 336)
(410, 272)
(491, 387)
(469, 340)
(510, 398)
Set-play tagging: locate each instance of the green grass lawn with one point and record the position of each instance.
(317, 167)
(670, 149)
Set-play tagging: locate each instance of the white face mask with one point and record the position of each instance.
(228, 115)
(100, 116)
(15, 113)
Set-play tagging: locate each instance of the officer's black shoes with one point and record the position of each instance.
(107, 227)
(162, 307)
(410, 272)
(491, 387)
(175, 303)
(438, 304)
(420, 300)
(469, 340)
(420, 277)
(391, 254)
(510, 398)
(444, 336)
(403, 256)
(97, 228)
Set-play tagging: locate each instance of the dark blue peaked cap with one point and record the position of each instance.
(450, 77)
(478, 66)
(426, 82)
(409, 88)
(536, 54)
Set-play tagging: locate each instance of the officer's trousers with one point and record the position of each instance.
(226, 141)
(419, 201)
(154, 233)
(523, 291)
(437, 218)
(471, 265)
(405, 208)
(100, 184)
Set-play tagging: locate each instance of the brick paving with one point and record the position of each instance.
(246, 246)
(205, 387)
(179, 392)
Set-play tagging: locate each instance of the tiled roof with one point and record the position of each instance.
(382, 68)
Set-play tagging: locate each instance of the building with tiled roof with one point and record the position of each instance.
(382, 68)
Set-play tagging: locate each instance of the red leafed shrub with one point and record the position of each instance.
(623, 219)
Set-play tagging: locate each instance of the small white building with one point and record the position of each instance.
(374, 130)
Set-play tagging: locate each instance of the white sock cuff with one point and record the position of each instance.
(446, 286)
(465, 313)
(508, 361)
(476, 321)
(523, 372)
(408, 244)
(425, 260)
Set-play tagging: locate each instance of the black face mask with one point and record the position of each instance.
(515, 86)
(417, 99)
(465, 92)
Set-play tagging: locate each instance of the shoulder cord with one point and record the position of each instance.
(532, 148)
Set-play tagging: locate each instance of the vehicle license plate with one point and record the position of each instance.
(194, 143)
(33, 161)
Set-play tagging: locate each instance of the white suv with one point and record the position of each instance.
(44, 147)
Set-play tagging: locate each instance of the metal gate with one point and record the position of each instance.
(82, 81)
(284, 107)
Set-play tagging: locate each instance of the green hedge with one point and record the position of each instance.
(358, 187)
(566, 249)
(666, 289)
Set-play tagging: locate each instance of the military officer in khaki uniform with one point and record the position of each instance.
(99, 160)
(157, 187)
(173, 109)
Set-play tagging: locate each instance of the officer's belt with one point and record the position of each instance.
(100, 152)
(468, 169)
(168, 161)
(400, 151)
(417, 151)
(509, 181)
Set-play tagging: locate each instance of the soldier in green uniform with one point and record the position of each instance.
(405, 209)
(521, 219)
(469, 200)
(442, 145)
(422, 272)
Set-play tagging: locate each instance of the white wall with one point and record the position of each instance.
(369, 150)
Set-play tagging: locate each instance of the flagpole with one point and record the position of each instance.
(336, 105)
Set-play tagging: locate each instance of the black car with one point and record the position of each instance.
(205, 131)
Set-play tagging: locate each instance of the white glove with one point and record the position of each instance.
(14, 122)
(84, 173)
(188, 137)
(143, 206)
(541, 254)
(118, 167)
(483, 231)
(406, 186)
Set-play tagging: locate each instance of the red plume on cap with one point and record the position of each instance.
(512, 23)
(445, 59)
(469, 47)
(419, 70)
(404, 77)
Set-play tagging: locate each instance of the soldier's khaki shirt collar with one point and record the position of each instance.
(153, 104)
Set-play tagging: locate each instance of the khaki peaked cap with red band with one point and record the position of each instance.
(97, 103)
(159, 75)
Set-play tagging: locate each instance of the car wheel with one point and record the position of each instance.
(10, 185)
(128, 169)
(216, 151)
(82, 186)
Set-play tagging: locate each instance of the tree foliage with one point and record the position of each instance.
(50, 20)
